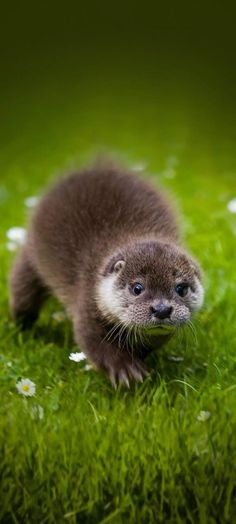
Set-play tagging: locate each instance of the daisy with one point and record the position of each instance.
(203, 416)
(31, 201)
(232, 205)
(77, 357)
(26, 387)
(16, 235)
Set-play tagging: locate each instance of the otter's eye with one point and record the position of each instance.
(182, 289)
(137, 288)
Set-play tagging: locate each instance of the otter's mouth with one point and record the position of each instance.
(160, 329)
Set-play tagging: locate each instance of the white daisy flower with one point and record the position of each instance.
(77, 357)
(203, 416)
(232, 205)
(26, 387)
(17, 235)
(31, 201)
(59, 316)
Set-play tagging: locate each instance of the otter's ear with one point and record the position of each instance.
(118, 266)
(115, 265)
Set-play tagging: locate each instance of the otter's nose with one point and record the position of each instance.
(161, 311)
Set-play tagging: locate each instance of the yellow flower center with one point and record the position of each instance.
(25, 387)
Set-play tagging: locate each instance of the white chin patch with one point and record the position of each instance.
(109, 299)
(197, 297)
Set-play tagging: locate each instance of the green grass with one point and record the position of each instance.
(143, 455)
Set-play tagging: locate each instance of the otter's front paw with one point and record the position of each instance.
(122, 369)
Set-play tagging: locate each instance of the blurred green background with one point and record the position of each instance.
(138, 79)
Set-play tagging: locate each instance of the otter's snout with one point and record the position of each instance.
(161, 311)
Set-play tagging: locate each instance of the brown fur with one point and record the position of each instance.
(80, 229)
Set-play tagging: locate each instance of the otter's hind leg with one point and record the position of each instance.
(27, 291)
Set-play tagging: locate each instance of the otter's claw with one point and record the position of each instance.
(112, 378)
(136, 374)
(129, 371)
(123, 378)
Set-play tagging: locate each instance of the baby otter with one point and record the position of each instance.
(106, 243)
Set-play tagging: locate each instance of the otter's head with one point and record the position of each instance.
(150, 284)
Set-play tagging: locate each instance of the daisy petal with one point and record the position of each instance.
(77, 357)
(17, 235)
(203, 416)
(26, 387)
(232, 205)
(31, 201)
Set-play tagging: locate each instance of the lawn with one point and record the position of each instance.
(164, 451)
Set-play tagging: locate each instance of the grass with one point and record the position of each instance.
(146, 455)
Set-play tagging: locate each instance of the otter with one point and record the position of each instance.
(107, 245)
